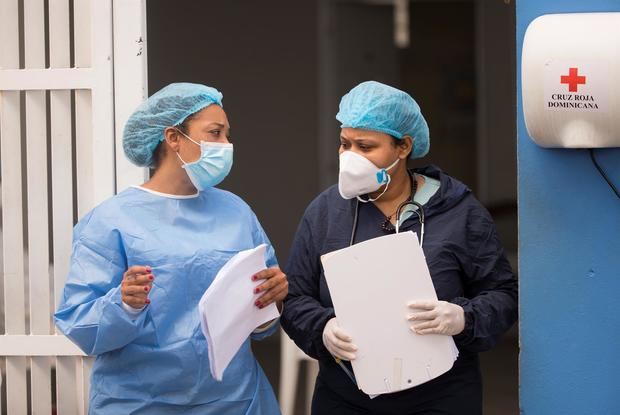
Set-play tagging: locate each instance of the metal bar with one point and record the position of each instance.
(84, 151)
(83, 109)
(84, 375)
(14, 300)
(38, 345)
(62, 189)
(38, 232)
(102, 102)
(16, 390)
(9, 33)
(62, 175)
(12, 220)
(59, 33)
(41, 385)
(82, 33)
(67, 391)
(130, 79)
(45, 79)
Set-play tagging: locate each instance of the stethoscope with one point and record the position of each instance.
(419, 211)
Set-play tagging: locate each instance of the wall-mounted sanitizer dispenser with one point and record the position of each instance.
(570, 74)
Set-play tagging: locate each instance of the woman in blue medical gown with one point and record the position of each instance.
(143, 258)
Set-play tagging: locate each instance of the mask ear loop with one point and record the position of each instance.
(187, 136)
(382, 193)
(391, 166)
(182, 161)
(190, 139)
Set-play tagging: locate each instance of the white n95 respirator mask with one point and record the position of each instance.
(359, 176)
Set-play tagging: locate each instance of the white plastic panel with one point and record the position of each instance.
(570, 74)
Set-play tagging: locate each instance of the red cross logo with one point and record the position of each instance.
(572, 79)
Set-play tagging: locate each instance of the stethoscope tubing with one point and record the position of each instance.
(419, 212)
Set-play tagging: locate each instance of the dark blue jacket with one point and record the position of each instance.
(465, 257)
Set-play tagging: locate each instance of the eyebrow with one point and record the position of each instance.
(217, 124)
(360, 140)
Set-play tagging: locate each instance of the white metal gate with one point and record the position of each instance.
(71, 71)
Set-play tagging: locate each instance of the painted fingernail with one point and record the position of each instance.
(151, 277)
(258, 304)
(256, 290)
(147, 301)
(146, 288)
(148, 269)
(254, 277)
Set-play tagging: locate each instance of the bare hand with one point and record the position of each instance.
(137, 284)
(274, 289)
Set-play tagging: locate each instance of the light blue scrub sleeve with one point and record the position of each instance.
(91, 312)
(260, 237)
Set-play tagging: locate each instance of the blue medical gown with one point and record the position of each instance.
(156, 362)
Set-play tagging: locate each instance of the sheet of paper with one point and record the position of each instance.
(227, 311)
(371, 284)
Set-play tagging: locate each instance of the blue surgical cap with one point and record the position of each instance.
(168, 107)
(378, 107)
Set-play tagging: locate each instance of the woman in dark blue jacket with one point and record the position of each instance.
(476, 289)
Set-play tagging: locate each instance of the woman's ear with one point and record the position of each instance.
(172, 136)
(405, 147)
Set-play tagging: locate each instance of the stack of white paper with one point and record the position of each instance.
(371, 285)
(227, 311)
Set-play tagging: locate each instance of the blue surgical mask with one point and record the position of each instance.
(212, 167)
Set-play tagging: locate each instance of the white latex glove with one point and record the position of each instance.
(436, 317)
(338, 342)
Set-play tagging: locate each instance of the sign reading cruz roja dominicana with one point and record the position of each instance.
(574, 87)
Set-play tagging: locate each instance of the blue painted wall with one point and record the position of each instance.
(569, 240)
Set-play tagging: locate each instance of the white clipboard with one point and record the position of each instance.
(371, 284)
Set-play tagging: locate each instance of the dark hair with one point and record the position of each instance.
(185, 124)
(397, 142)
(160, 150)
(158, 154)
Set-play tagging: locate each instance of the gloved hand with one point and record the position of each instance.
(436, 317)
(337, 341)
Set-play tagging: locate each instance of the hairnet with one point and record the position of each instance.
(168, 107)
(378, 107)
